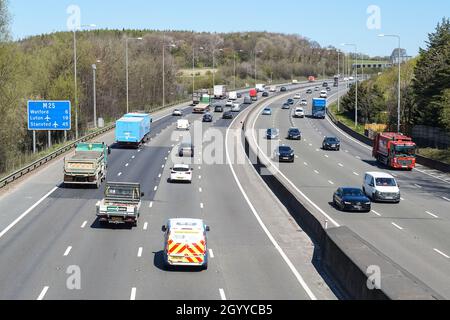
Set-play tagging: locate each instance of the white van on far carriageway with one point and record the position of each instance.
(183, 124)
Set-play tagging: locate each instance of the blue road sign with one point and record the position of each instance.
(49, 115)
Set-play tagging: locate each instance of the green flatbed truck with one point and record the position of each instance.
(88, 166)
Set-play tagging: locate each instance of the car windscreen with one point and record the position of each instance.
(294, 131)
(353, 193)
(186, 236)
(386, 182)
(121, 192)
(186, 146)
(285, 149)
(332, 140)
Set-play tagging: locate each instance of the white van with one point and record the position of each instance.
(233, 96)
(381, 187)
(183, 124)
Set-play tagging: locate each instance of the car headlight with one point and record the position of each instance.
(347, 203)
(367, 203)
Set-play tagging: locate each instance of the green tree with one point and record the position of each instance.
(432, 76)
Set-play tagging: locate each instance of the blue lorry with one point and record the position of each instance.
(319, 108)
(133, 129)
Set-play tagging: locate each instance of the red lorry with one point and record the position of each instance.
(395, 150)
(312, 79)
(254, 94)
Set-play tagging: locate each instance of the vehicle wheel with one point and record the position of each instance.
(374, 197)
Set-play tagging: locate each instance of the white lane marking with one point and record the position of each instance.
(66, 253)
(340, 165)
(447, 199)
(199, 168)
(127, 165)
(261, 223)
(326, 156)
(168, 152)
(162, 167)
(394, 175)
(140, 252)
(222, 295)
(376, 213)
(200, 177)
(160, 175)
(346, 151)
(120, 173)
(418, 186)
(84, 225)
(310, 144)
(397, 226)
(442, 254)
(317, 172)
(139, 150)
(151, 205)
(211, 253)
(403, 199)
(356, 174)
(23, 215)
(166, 158)
(133, 294)
(133, 157)
(358, 157)
(156, 188)
(431, 214)
(200, 190)
(173, 145)
(305, 163)
(43, 293)
(330, 182)
(317, 150)
(297, 157)
(201, 206)
(145, 226)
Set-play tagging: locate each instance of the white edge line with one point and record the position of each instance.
(441, 253)
(84, 225)
(211, 253)
(43, 293)
(140, 250)
(145, 226)
(23, 215)
(432, 214)
(263, 226)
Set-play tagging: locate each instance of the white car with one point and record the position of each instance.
(177, 113)
(351, 78)
(324, 94)
(298, 96)
(304, 102)
(299, 113)
(229, 103)
(345, 79)
(382, 187)
(273, 89)
(183, 124)
(236, 107)
(181, 173)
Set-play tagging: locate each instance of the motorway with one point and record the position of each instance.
(48, 231)
(414, 234)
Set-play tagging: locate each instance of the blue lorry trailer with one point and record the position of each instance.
(319, 108)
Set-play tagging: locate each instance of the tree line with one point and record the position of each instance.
(425, 89)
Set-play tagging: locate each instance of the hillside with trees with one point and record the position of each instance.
(42, 67)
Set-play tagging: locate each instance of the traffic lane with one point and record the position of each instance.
(25, 193)
(64, 215)
(248, 260)
(71, 207)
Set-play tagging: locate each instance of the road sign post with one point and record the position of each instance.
(48, 116)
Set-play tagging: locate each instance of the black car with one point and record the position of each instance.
(285, 154)
(265, 94)
(294, 134)
(325, 84)
(239, 95)
(351, 199)
(328, 89)
(227, 115)
(291, 101)
(208, 118)
(283, 89)
(331, 143)
(218, 109)
(309, 91)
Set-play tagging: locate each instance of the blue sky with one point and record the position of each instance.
(329, 22)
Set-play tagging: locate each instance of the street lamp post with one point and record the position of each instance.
(240, 51)
(256, 74)
(399, 78)
(193, 68)
(94, 68)
(126, 67)
(339, 80)
(75, 76)
(164, 67)
(356, 71)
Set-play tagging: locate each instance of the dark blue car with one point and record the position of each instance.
(351, 199)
